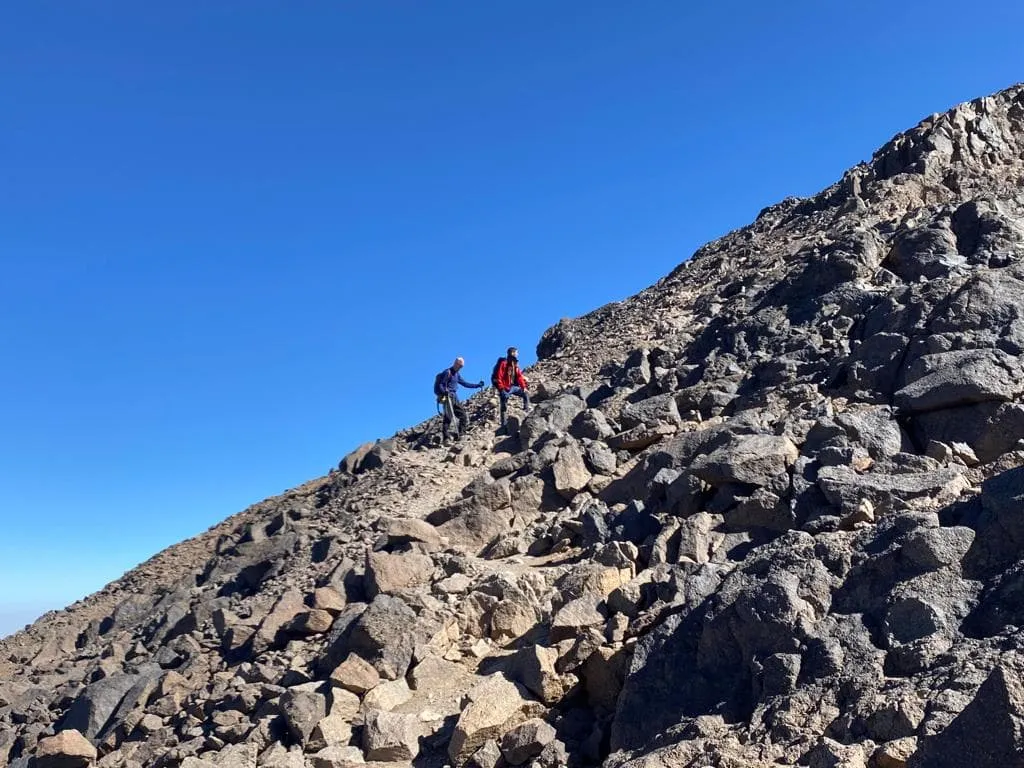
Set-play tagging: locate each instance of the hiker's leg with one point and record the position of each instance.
(446, 422)
(524, 395)
(502, 406)
(462, 416)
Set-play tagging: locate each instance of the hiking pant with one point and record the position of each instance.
(503, 401)
(454, 407)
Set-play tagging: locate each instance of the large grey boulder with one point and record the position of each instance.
(846, 488)
(760, 460)
(555, 415)
(951, 379)
(988, 733)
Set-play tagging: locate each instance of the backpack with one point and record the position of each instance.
(439, 382)
(494, 372)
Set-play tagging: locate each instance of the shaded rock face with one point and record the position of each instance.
(769, 511)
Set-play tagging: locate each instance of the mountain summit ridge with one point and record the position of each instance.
(765, 512)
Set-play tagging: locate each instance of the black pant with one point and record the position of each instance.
(455, 407)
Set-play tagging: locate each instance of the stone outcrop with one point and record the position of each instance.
(765, 512)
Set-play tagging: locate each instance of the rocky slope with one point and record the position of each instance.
(769, 511)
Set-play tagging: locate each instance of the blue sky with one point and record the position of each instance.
(239, 238)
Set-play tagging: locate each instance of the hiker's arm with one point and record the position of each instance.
(469, 385)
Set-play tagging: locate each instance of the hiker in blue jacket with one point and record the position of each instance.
(450, 381)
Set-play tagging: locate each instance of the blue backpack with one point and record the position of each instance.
(439, 384)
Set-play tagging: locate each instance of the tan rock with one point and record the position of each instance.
(315, 622)
(571, 473)
(337, 757)
(408, 530)
(534, 667)
(512, 619)
(895, 754)
(388, 737)
(344, 704)
(494, 707)
(389, 574)
(575, 615)
(355, 674)
(287, 607)
(329, 599)
(67, 749)
(332, 731)
(386, 696)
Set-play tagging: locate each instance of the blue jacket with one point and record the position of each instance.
(451, 381)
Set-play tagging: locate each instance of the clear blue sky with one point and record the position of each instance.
(239, 238)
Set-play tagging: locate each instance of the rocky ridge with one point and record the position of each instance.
(766, 512)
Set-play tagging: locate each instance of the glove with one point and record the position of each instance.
(481, 383)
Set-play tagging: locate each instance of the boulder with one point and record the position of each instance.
(951, 379)
(576, 615)
(67, 749)
(389, 574)
(406, 530)
(534, 667)
(846, 488)
(384, 635)
(759, 460)
(355, 674)
(570, 471)
(288, 606)
(328, 599)
(388, 737)
(526, 741)
(494, 706)
(303, 708)
(988, 732)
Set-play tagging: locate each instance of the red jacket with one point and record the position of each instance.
(509, 375)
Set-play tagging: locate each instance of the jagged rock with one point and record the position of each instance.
(488, 756)
(355, 674)
(938, 547)
(845, 488)
(660, 409)
(571, 474)
(336, 757)
(314, 622)
(287, 607)
(67, 749)
(576, 614)
(494, 707)
(554, 415)
(591, 425)
(303, 708)
(534, 668)
(512, 618)
(526, 741)
(328, 599)
(987, 732)
(388, 737)
(384, 636)
(93, 709)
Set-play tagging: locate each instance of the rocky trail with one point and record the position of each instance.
(767, 512)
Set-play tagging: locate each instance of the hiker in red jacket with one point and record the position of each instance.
(509, 380)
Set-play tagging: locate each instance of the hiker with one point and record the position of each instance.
(509, 380)
(446, 386)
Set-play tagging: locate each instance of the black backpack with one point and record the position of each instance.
(494, 372)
